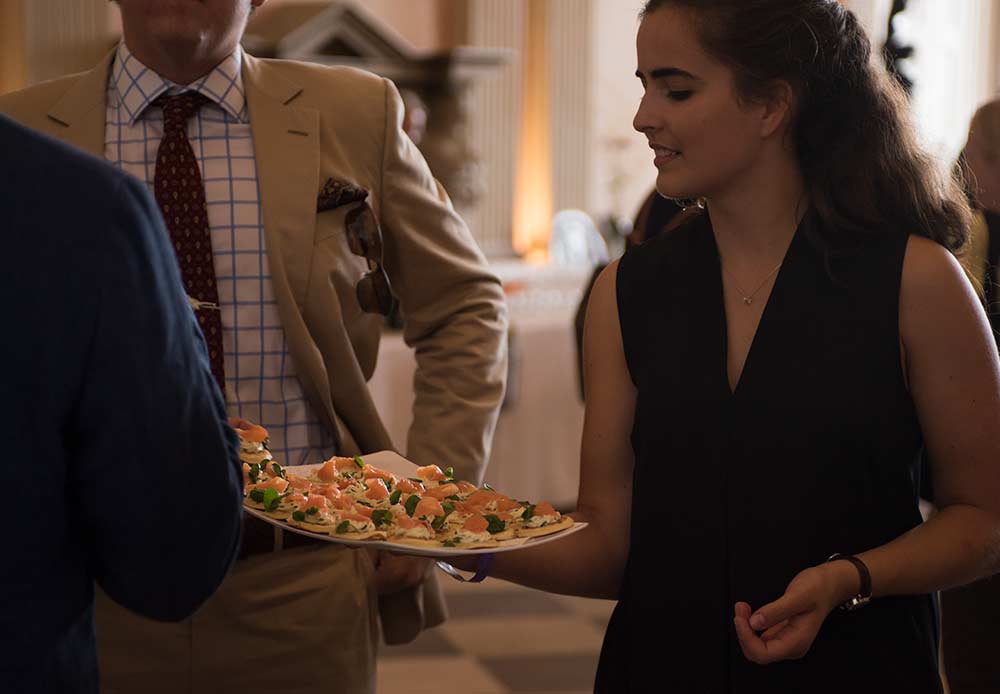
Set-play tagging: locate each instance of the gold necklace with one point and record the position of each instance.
(748, 298)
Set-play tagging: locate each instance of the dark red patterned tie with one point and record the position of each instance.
(180, 194)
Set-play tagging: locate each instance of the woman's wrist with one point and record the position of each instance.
(845, 583)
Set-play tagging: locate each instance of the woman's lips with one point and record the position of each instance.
(664, 155)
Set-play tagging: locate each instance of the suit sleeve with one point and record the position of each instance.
(157, 466)
(453, 307)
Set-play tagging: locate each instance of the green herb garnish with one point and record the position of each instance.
(360, 463)
(496, 525)
(299, 516)
(438, 522)
(486, 486)
(312, 511)
(278, 470)
(450, 543)
(388, 484)
(415, 479)
(271, 499)
(454, 497)
(449, 472)
(411, 504)
(257, 495)
(365, 503)
(394, 497)
(343, 527)
(528, 512)
(382, 516)
(254, 473)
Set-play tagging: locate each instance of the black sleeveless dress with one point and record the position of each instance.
(736, 492)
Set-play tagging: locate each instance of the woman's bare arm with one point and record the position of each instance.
(954, 377)
(591, 562)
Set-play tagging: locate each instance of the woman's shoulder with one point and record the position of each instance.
(928, 263)
(933, 279)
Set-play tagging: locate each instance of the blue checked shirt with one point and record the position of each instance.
(261, 384)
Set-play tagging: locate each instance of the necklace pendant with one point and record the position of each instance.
(748, 300)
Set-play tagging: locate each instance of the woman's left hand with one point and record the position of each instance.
(786, 628)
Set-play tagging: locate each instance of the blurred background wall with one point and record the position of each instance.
(552, 127)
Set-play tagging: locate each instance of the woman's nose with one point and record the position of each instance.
(642, 120)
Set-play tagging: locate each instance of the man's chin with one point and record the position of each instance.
(180, 38)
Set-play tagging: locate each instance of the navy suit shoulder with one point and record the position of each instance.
(106, 388)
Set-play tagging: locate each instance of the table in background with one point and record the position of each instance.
(536, 449)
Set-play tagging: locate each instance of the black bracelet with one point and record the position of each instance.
(864, 595)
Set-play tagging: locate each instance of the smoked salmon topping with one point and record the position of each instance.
(466, 507)
(344, 464)
(377, 490)
(278, 484)
(370, 471)
(248, 430)
(431, 473)
(507, 505)
(363, 510)
(330, 491)
(476, 524)
(429, 508)
(297, 482)
(319, 501)
(444, 491)
(410, 487)
(328, 471)
(545, 509)
(481, 497)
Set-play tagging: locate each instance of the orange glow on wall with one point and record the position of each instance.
(533, 186)
(12, 68)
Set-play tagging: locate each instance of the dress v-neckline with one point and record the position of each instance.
(733, 391)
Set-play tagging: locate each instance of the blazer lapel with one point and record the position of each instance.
(286, 142)
(287, 149)
(81, 110)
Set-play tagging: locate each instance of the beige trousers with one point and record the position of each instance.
(298, 621)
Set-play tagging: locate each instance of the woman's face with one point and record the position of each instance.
(704, 140)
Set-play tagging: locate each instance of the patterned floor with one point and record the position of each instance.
(502, 639)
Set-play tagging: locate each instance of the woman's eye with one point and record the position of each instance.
(679, 95)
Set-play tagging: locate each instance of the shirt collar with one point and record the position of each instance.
(137, 86)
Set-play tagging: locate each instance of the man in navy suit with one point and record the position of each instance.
(118, 464)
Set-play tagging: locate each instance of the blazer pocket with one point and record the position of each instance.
(336, 268)
(330, 224)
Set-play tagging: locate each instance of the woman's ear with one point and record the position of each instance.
(778, 107)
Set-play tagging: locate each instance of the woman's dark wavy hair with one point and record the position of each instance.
(864, 171)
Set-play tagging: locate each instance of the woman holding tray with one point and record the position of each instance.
(761, 380)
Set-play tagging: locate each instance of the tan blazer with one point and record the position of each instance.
(311, 123)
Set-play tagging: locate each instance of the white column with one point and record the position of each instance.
(570, 83)
(495, 117)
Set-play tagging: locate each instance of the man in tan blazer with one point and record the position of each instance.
(325, 141)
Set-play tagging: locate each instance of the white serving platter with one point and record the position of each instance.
(400, 466)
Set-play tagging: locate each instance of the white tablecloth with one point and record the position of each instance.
(536, 449)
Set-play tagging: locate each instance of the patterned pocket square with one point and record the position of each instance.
(336, 193)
